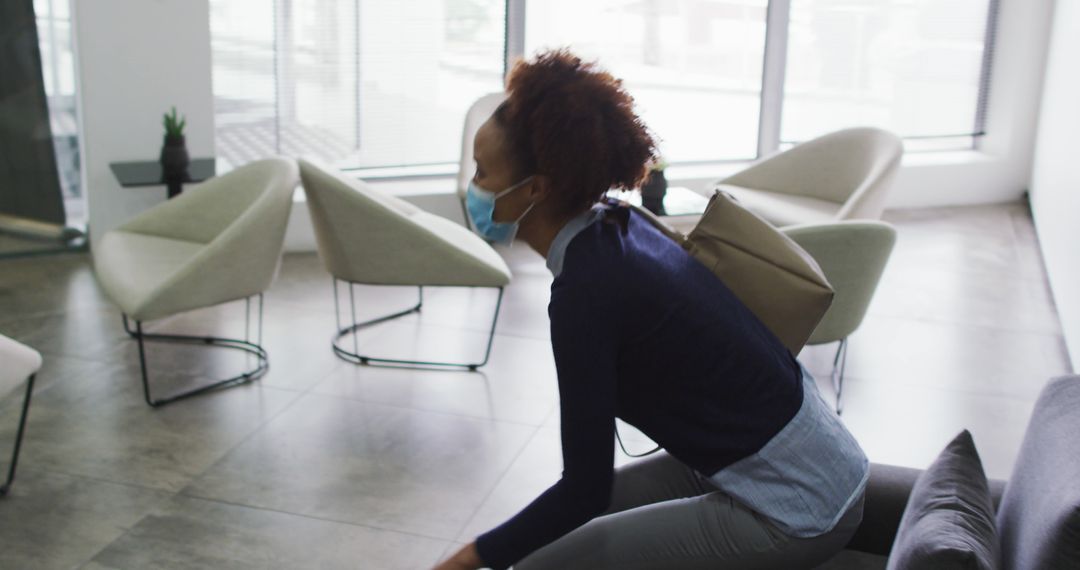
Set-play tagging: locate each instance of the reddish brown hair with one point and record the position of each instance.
(574, 123)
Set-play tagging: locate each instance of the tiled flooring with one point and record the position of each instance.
(323, 464)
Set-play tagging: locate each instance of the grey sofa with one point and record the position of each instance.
(1038, 508)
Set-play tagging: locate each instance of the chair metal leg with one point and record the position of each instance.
(354, 355)
(839, 362)
(255, 349)
(19, 436)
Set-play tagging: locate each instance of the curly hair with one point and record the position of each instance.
(574, 123)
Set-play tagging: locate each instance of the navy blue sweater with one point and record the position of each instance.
(644, 332)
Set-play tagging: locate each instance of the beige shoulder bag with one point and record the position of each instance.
(775, 278)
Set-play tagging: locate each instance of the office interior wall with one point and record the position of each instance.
(135, 60)
(1055, 188)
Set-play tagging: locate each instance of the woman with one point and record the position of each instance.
(757, 472)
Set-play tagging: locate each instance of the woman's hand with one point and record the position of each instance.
(465, 559)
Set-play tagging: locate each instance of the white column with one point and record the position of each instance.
(135, 60)
(1055, 187)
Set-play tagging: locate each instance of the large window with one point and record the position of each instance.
(356, 83)
(911, 66)
(693, 66)
(374, 83)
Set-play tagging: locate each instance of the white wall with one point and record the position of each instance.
(1055, 192)
(135, 60)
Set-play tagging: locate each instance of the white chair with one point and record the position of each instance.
(220, 241)
(478, 113)
(852, 255)
(371, 238)
(840, 176)
(18, 363)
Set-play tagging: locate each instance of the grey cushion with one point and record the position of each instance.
(887, 494)
(949, 519)
(1039, 518)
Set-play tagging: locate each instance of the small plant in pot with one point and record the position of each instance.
(655, 188)
(174, 154)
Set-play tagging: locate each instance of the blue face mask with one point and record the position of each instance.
(480, 204)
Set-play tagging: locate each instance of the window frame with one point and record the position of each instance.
(774, 67)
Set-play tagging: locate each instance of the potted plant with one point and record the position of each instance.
(174, 154)
(655, 187)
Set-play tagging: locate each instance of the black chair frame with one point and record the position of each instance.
(19, 436)
(352, 329)
(245, 345)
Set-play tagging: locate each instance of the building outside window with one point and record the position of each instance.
(354, 83)
(368, 84)
(58, 71)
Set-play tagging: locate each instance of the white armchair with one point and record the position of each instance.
(18, 364)
(371, 238)
(852, 255)
(840, 176)
(217, 242)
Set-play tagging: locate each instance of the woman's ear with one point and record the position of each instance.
(539, 189)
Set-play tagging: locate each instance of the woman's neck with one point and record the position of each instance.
(539, 230)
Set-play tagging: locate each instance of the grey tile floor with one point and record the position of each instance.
(323, 464)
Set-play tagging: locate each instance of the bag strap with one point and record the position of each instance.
(675, 235)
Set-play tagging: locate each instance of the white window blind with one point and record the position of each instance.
(693, 66)
(911, 66)
(375, 83)
(355, 83)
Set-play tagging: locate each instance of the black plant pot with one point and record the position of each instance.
(653, 191)
(174, 158)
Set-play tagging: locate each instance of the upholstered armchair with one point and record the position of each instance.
(840, 176)
(220, 241)
(369, 237)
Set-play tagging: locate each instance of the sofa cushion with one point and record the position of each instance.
(1039, 518)
(949, 519)
(133, 268)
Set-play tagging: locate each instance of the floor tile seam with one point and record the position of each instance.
(963, 324)
(104, 359)
(495, 485)
(98, 479)
(258, 382)
(186, 495)
(424, 411)
(863, 379)
(54, 313)
(1016, 277)
(259, 428)
(46, 353)
(90, 560)
(1047, 331)
(448, 326)
(997, 274)
(546, 338)
(329, 372)
(170, 495)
